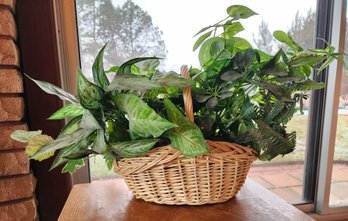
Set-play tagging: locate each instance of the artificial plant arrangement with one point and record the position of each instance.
(240, 95)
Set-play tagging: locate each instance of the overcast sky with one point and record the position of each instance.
(180, 20)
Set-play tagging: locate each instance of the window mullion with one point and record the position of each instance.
(330, 120)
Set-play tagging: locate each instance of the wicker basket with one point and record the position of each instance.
(165, 176)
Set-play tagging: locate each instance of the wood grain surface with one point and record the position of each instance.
(111, 200)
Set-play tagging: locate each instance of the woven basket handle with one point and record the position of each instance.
(187, 94)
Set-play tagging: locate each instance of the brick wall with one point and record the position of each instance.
(17, 184)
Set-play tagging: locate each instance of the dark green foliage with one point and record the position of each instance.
(246, 96)
(240, 94)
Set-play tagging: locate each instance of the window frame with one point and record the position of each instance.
(330, 117)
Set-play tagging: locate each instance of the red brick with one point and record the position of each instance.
(11, 108)
(7, 24)
(13, 76)
(14, 188)
(14, 163)
(8, 3)
(6, 143)
(19, 211)
(9, 54)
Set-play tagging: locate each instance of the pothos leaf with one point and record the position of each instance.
(240, 11)
(232, 28)
(286, 39)
(201, 39)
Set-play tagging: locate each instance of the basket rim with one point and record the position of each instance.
(164, 155)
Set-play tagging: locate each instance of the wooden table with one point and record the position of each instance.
(111, 200)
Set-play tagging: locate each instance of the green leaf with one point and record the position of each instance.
(131, 82)
(248, 111)
(286, 39)
(231, 29)
(242, 128)
(52, 89)
(80, 154)
(201, 39)
(186, 138)
(150, 65)
(98, 70)
(116, 132)
(202, 98)
(73, 165)
(203, 30)
(69, 110)
(310, 59)
(240, 11)
(143, 120)
(309, 85)
(133, 148)
(262, 56)
(113, 69)
(171, 79)
(216, 48)
(277, 91)
(24, 136)
(210, 50)
(68, 150)
(276, 109)
(88, 121)
(274, 66)
(212, 102)
(99, 145)
(71, 126)
(126, 67)
(273, 143)
(231, 76)
(109, 157)
(325, 64)
(249, 56)
(241, 43)
(89, 93)
(63, 141)
(35, 144)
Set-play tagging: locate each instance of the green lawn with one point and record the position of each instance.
(98, 169)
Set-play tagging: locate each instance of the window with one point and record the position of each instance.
(308, 170)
